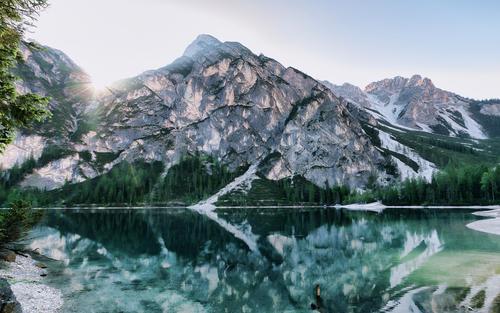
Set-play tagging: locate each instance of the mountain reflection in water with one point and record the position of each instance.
(176, 260)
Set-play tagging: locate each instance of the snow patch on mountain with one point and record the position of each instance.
(415, 104)
(426, 168)
(471, 126)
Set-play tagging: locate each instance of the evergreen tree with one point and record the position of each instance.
(16, 111)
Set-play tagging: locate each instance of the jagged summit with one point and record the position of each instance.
(208, 47)
(419, 81)
(200, 44)
(398, 83)
(415, 103)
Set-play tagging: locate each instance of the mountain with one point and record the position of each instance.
(49, 72)
(416, 103)
(184, 131)
(217, 99)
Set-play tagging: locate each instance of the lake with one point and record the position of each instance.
(269, 260)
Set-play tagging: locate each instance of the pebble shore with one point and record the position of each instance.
(26, 281)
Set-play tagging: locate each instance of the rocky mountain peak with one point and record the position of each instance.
(218, 99)
(398, 83)
(50, 66)
(419, 81)
(208, 48)
(389, 85)
(202, 43)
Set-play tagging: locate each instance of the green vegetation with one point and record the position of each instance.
(16, 111)
(464, 185)
(443, 150)
(477, 301)
(459, 293)
(296, 190)
(16, 221)
(197, 177)
(125, 184)
(495, 306)
(192, 179)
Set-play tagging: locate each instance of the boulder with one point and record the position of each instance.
(7, 255)
(8, 302)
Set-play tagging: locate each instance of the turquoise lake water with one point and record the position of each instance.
(269, 260)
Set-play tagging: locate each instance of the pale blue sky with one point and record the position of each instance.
(455, 43)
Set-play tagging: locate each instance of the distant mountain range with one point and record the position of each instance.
(222, 100)
(417, 104)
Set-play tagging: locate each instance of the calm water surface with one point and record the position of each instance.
(268, 260)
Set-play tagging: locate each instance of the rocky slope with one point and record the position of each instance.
(218, 99)
(50, 72)
(415, 103)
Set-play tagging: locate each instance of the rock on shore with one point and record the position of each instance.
(8, 302)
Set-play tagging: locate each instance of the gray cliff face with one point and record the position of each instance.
(50, 72)
(218, 98)
(350, 92)
(221, 99)
(417, 104)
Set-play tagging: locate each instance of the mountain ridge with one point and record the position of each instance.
(222, 100)
(416, 103)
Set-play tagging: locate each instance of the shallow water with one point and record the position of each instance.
(268, 260)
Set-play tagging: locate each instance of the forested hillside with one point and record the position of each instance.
(139, 183)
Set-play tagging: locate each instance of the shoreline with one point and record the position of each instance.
(355, 206)
(490, 225)
(26, 281)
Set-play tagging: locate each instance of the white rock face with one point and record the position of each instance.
(21, 150)
(55, 174)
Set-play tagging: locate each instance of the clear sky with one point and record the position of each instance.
(456, 43)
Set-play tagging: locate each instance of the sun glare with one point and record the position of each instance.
(100, 85)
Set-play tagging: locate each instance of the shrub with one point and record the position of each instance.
(16, 221)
